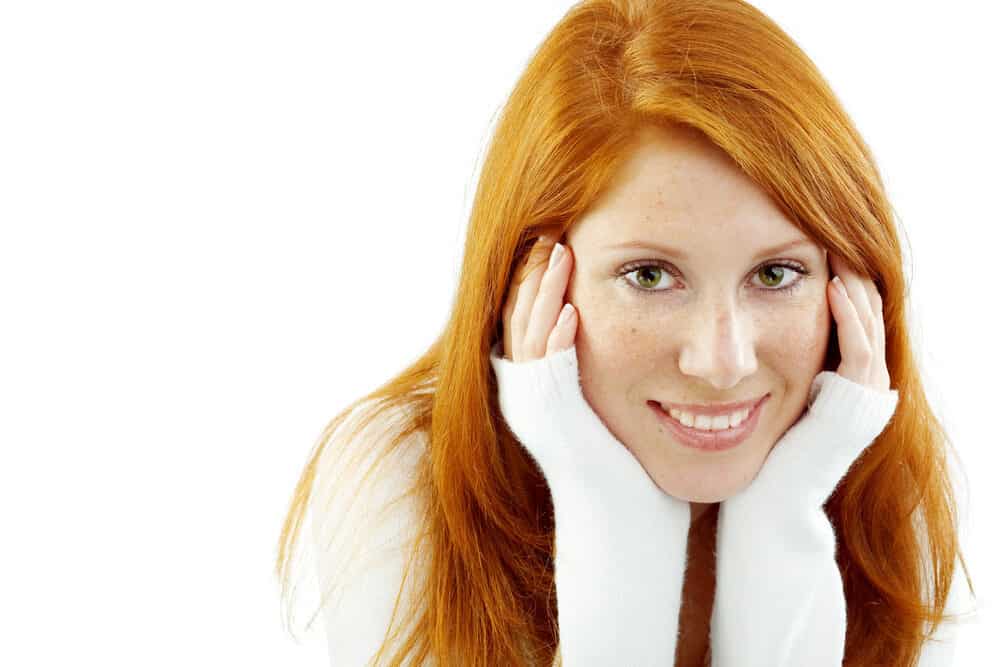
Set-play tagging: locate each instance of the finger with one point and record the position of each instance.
(870, 293)
(877, 309)
(548, 302)
(855, 349)
(859, 296)
(881, 378)
(868, 305)
(528, 278)
(563, 335)
(508, 312)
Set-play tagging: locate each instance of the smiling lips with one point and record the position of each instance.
(711, 410)
(714, 429)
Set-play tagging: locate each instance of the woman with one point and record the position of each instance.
(553, 502)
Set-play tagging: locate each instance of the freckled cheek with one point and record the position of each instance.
(612, 334)
(602, 324)
(794, 338)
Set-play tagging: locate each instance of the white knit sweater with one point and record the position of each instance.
(779, 598)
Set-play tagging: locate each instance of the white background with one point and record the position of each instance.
(220, 222)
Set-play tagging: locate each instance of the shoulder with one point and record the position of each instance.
(361, 508)
(361, 438)
(364, 527)
(361, 484)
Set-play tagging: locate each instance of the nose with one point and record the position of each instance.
(719, 345)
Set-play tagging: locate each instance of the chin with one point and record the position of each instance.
(705, 498)
(713, 483)
(701, 495)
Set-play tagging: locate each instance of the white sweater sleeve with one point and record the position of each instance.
(779, 598)
(620, 542)
(779, 594)
(362, 545)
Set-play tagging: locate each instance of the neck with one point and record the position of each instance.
(698, 510)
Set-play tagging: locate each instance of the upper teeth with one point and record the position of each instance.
(705, 423)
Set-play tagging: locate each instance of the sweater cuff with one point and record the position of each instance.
(850, 407)
(551, 379)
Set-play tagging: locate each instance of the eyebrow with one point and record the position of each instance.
(680, 254)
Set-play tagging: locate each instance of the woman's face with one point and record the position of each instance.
(705, 324)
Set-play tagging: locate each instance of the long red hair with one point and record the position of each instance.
(608, 68)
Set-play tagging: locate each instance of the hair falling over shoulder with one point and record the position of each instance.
(606, 69)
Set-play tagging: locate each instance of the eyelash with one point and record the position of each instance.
(784, 291)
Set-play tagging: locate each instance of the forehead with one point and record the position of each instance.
(677, 183)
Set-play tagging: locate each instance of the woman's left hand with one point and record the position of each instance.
(779, 598)
(860, 327)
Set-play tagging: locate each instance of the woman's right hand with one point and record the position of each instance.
(538, 376)
(539, 389)
(620, 541)
(532, 327)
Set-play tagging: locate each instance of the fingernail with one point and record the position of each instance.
(840, 285)
(557, 253)
(565, 314)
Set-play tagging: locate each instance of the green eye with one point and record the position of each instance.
(650, 274)
(772, 274)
